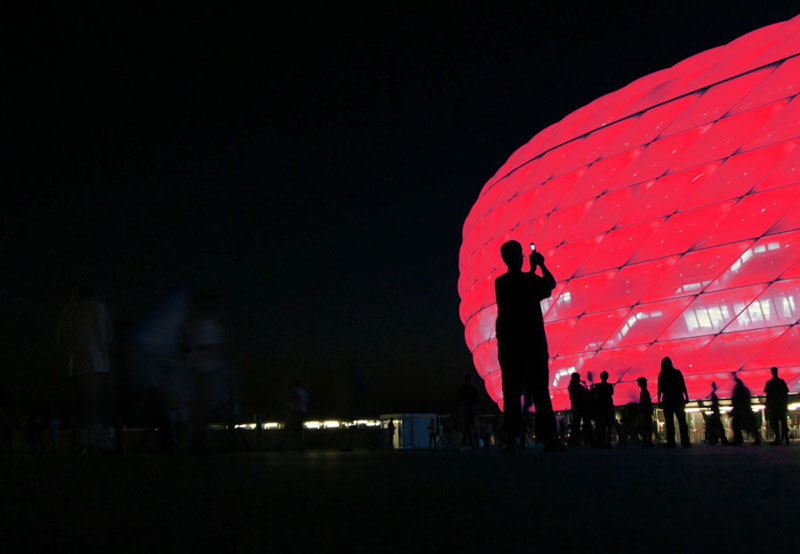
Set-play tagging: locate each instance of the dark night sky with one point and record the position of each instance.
(313, 164)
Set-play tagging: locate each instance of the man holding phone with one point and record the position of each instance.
(522, 345)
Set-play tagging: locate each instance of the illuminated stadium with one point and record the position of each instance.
(669, 213)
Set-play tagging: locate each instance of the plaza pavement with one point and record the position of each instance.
(706, 499)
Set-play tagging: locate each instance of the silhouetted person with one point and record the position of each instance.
(645, 413)
(433, 433)
(672, 395)
(579, 400)
(743, 417)
(522, 345)
(777, 404)
(714, 423)
(604, 393)
(467, 401)
(390, 430)
(85, 332)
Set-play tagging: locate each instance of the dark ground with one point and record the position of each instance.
(620, 500)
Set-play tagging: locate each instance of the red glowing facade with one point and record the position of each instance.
(669, 213)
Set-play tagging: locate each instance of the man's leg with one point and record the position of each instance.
(512, 411)
(784, 428)
(738, 439)
(512, 365)
(669, 419)
(545, 418)
(684, 428)
(775, 426)
(576, 429)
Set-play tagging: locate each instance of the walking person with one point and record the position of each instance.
(672, 395)
(645, 413)
(715, 427)
(579, 400)
(743, 417)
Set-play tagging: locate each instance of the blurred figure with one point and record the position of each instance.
(672, 395)
(716, 431)
(85, 332)
(645, 413)
(579, 401)
(743, 417)
(159, 382)
(201, 345)
(604, 394)
(467, 402)
(777, 405)
(522, 345)
(296, 414)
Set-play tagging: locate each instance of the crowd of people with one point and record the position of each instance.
(593, 415)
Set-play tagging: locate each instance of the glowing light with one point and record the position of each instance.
(669, 213)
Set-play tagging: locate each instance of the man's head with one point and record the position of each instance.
(642, 382)
(604, 376)
(575, 377)
(666, 364)
(713, 385)
(774, 371)
(511, 252)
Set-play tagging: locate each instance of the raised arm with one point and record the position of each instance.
(537, 259)
(685, 392)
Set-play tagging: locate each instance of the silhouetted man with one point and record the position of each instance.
(85, 332)
(522, 344)
(645, 413)
(467, 400)
(604, 394)
(777, 399)
(716, 430)
(672, 395)
(579, 399)
(743, 416)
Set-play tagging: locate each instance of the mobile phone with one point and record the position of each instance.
(533, 248)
